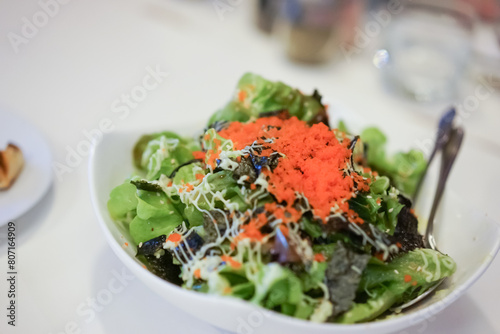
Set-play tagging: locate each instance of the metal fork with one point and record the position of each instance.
(449, 154)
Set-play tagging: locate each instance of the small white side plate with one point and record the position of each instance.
(36, 176)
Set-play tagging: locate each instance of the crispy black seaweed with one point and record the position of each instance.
(343, 275)
(212, 223)
(192, 161)
(151, 246)
(406, 232)
(245, 168)
(164, 267)
(218, 125)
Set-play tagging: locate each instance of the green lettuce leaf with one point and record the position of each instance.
(156, 215)
(162, 152)
(398, 281)
(122, 202)
(257, 95)
(404, 168)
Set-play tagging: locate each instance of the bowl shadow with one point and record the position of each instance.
(136, 308)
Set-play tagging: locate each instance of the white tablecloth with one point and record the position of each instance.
(72, 72)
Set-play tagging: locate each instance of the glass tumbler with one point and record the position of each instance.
(427, 47)
(314, 30)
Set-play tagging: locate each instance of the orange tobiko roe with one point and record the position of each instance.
(313, 162)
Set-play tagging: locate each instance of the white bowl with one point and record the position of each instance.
(468, 236)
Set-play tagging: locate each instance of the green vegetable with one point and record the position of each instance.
(383, 215)
(143, 230)
(342, 127)
(380, 302)
(404, 169)
(261, 95)
(393, 282)
(423, 265)
(303, 310)
(266, 279)
(193, 216)
(380, 185)
(388, 218)
(161, 153)
(156, 216)
(314, 276)
(145, 185)
(187, 174)
(122, 201)
(244, 291)
(311, 227)
(153, 204)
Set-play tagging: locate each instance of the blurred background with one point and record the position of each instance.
(76, 69)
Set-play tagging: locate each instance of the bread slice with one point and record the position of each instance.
(11, 164)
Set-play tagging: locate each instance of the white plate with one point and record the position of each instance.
(36, 176)
(470, 237)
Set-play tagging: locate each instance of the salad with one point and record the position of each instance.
(272, 205)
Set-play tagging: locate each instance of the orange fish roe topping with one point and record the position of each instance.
(362, 185)
(284, 230)
(212, 157)
(379, 256)
(197, 273)
(251, 230)
(286, 215)
(199, 176)
(318, 257)
(189, 187)
(407, 278)
(232, 262)
(242, 95)
(174, 237)
(314, 162)
(199, 155)
(262, 219)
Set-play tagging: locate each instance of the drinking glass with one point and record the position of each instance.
(427, 47)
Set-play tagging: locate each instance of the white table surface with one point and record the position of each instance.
(65, 79)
